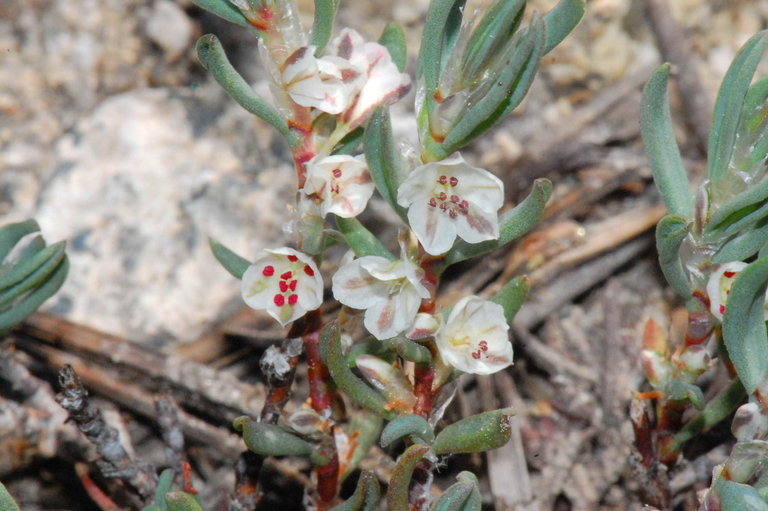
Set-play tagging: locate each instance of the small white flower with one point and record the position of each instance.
(341, 182)
(328, 83)
(475, 337)
(389, 291)
(284, 282)
(719, 286)
(449, 198)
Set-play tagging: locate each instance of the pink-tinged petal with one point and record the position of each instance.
(341, 183)
(328, 84)
(425, 325)
(260, 282)
(477, 225)
(355, 287)
(434, 230)
(380, 318)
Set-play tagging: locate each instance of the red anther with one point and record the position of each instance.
(476, 355)
(336, 173)
(279, 300)
(443, 196)
(309, 271)
(287, 275)
(464, 205)
(454, 180)
(455, 199)
(283, 286)
(443, 206)
(293, 299)
(442, 180)
(722, 309)
(483, 345)
(268, 271)
(452, 213)
(432, 202)
(293, 258)
(729, 274)
(292, 285)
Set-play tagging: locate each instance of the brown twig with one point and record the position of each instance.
(170, 427)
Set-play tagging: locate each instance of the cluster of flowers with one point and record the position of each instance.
(444, 199)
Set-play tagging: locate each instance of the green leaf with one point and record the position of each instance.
(231, 262)
(488, 38)
(361, 240)
(224, 9)
(462, 496)
(350, 144)
(12, 274)
(728, 107)
(322, 27)
(213, 58)
(367, 426)
(180, 501)
(164, 486)
(271, 440)
(345, 379)
(738, 497)
(6, 501)
(670, 233)
(477, 433)
(366, 496)
(506, 92)
(561, 20)
(512, 224)
(393, 39)
(397, 492)
(678, 390)
(745, 208)
(33, 300)
(35, 278)
(661, 147)
(743, 246)
(11, 234)
(408, 349)
(383, 158)
(439, 29)
(744, 332)
(512, 296)
(406, 425)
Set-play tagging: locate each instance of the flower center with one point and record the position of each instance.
(334, 185)
(447, 200)
(287, 282)
(483, 347)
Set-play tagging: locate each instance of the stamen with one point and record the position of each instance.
(454, 181)
(293, 299)
(476, 355)
(432, 202)
(455, 199)
(722, 309)
(309, 271)
(336, 173)
(292, 285)
(268, 271)
(483, 345)
(279, 300)
(442, 180)
(729, 274)
(443, 196)
(293, 258)
(287, 275)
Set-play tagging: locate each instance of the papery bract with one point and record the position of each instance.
(341, 182)
(284, 282)
(389, 291)
(449, 198)
(475, 337)
(389, 380)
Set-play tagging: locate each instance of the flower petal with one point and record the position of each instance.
(355, 287)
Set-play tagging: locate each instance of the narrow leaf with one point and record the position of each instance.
(271, 440)
(744, 332)
(15, 273)
(738, 497)
(231, 262)
(746, 207)
(561, 20)
(406, 425)
(512, 296)
(462, 496)
(661, 147)
(164, 486)
(350, 144)
(383, 159)
(367, 426)
(678, 390)
(476, 433)
(213, 58)
(6, 501)
(409, 350)
(180, 501)
(670, 233)
(512, 224)
(717, 410)
(397, 493)
(432, 41)
(743, 246)
(322, 27)
(35, 278)
(33, 300)
(366, 496)
(11, 234)
(728, 107)
(223, 9)
(362, 241)
(496, 27)
(393, 39)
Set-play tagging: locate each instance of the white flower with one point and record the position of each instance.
(449, 198)
(355, 79)
(328, 83)
(719, 287)
(284, 282)
(475, 337)
(389, 291)
(341, 182)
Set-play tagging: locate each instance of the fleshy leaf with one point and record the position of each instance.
(512, 224)
(351, 385)
(512, 296)
(367, 426)
(497, 26)
(743, 246)
(6, 501)
(31, 270)
(383, 159)
(406, 425)
(213, 58)
(409, 350)
(393, 39)
(744, 331)
(362, 241)
(461, 496)
(322, 27)
(231, 262)
(366, 496)
(748, 207)
(223, 9)
(181, 501)
(678, 390)
(670, 233)
(728, 107)
(397, 493)
(481, 432)
(163, 486)
(738, 497)
(11, 234)
(29, 303)
(271, 440)
(661, 147)
(561, 20)
(439, 29)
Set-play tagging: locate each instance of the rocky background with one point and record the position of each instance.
(114, 138)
